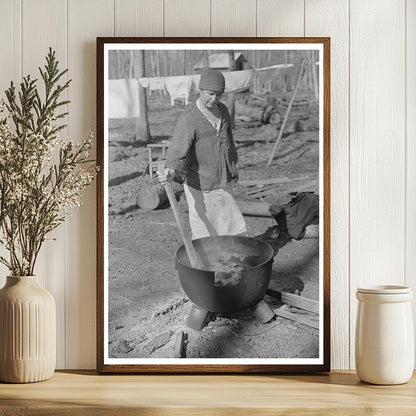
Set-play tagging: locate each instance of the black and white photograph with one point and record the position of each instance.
(212, 245)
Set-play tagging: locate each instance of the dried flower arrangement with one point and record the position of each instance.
(42, 176)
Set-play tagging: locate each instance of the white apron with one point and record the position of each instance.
(213, 213)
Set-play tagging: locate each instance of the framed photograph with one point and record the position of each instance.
(213, 227)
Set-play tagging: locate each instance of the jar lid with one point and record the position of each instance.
(384, 289)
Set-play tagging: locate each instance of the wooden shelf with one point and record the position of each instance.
(86, 393)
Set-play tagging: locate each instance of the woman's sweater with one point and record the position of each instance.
(200, 155)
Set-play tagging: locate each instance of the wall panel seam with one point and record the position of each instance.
(304, 18)
(210, 18)
(21, 39)
(405, 146)
(66, 221)
(349, 185)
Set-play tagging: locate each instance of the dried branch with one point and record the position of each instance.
(37, 194)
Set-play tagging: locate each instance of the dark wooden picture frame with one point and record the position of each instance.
(255, 365)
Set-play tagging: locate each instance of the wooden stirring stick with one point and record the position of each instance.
(194, 259)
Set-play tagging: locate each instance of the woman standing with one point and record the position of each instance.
(202, 154)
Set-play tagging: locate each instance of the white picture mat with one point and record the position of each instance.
(219, 361)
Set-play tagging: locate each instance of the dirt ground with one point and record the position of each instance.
(147, 305)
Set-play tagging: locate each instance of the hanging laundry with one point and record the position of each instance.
(123, 98)
(180, 87)
(237, 81)
(153, 84)
(270, 73)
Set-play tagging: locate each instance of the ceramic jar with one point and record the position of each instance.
(384, 338)
(27, 331)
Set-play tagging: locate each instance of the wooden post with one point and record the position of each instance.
(142, 122)
(149, 149)
(205, 58)
(166, 66)
(118, 68)
(311, 70)
(301, 73)
(315, 78)
(287, 76)
(131, 64)
(158, 69)
(231, 98)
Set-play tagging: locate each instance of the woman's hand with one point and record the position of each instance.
(165, 175)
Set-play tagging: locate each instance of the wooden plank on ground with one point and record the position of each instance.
(295, 300)
(270, 181)
(296, 318)
(300, 302)
(180, 341)
(266, 192)
(312, 186)
(263, 189)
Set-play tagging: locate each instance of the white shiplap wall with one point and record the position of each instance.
(373, 130)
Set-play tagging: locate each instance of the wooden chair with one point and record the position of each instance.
(160, 160)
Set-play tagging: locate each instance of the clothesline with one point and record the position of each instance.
(235, 81)
(123, 95)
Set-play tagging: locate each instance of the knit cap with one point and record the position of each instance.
(212, 80)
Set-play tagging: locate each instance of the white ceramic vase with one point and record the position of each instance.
(27, 331)
(384, 338)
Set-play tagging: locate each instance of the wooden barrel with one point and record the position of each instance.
(151, 196)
